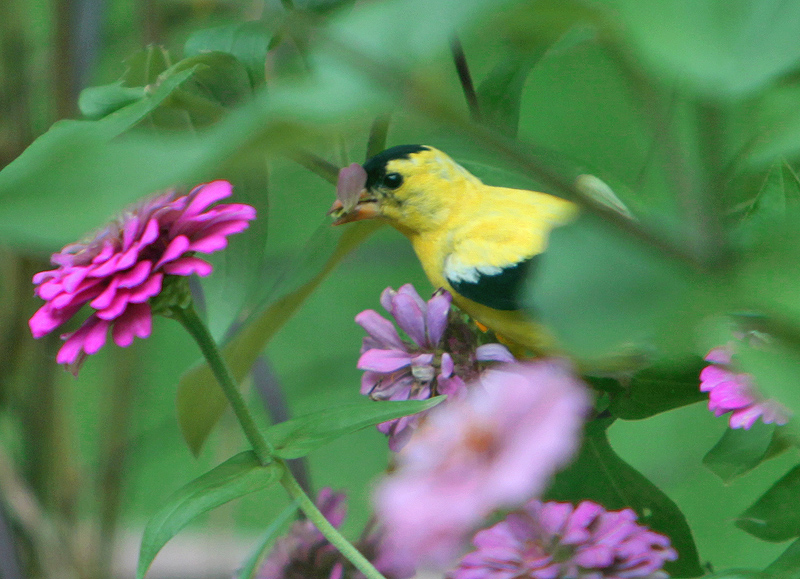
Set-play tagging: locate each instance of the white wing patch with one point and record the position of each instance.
(456, 271)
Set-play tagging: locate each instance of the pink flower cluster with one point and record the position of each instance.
(560, 541)
(734, 392)
(441, 355)
(496, 447)
(125, 264)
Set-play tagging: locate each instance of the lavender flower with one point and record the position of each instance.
(559, 541)
(495, 447)
(127, 263)
(443, 354)
(304, 553)
(734, 392)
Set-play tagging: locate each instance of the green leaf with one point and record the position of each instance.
(600, 475)
(787, 566)
(740, 450)
(247, 41)
(98, 101)
(44, 183)
(723, 47)
(500, 93)
(777, 199)
(219, 77)
(657, 389)
(775, 516)
(200, 401)
(603, 293)
(299, 436)
(146, 66)
(234, 478)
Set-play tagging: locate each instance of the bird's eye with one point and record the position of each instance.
(393, 180)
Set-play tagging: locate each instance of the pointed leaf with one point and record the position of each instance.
(234, 478)
(740, 450)
(98, 101)
(200, 401)
(600, 475)
(658, 389)
(787, 566)
(297, 437)
(500, 93)
(775, 516)
(247, 41)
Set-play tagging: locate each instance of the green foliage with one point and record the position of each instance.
(740, 450)
(772, 517)
(598, 474)
(238, 476)
(787, 566)
(248, 42)
(297, 437)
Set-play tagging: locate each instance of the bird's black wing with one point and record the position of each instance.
(499, 291)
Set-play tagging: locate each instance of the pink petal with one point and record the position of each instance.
(380, 328)
(147, 290)
(187, 266)
(137, 321)
(175, 249)
(104, 299)
(383, 360)
(409, 317)
(116, 307)
(352, 179)
(493, 353)
(204, 195)
(46, 319)
(135, 276)
(436, 316)
(210, 244)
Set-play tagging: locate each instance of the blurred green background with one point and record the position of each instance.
(658, 99)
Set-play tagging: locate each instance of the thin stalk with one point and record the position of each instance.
(194, 325)
(378, 134)
(261, 446)
(464, 76)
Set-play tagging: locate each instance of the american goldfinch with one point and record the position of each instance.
(476, 241)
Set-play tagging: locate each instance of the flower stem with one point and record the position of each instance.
(329, 531)
(261, 446)
(194, 325)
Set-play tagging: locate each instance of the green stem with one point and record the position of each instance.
(261, 446)
(194, 325)
(329, 531)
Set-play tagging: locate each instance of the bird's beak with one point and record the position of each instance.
(365, 208)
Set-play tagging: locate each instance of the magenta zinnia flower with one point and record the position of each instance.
(127, 263)
(559, 541)
(496, 447)
(441, 355)
(734, 392)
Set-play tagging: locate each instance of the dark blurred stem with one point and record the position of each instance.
(269, 389)
(460, 60)
(150, 21)
(9, 561)
(709, 197)
(113, 454)
(378, 134)
(64, 82)
(316, 164)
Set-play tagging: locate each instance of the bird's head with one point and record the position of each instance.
(412, 187)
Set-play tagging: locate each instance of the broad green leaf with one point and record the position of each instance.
(251, 565)
(98, 101)
(146, 66)
(657, 389)
(777, 199)
(299, 436)
(500, 93)
(219, 78)
(60, 169)
(200, 400)
(775, 516)
(600, 475)
(740, 450)
(247, 41)
(723, 47)
(787, 566)
(602, 292)
(234, 478)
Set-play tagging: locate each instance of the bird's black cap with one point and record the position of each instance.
(376, 166)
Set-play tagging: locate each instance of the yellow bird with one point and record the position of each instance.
(476, 241)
